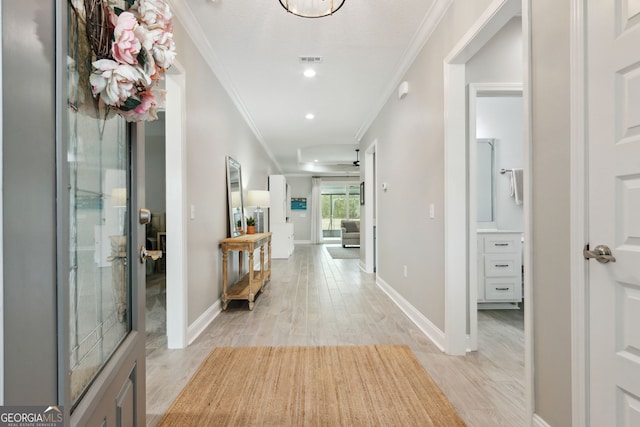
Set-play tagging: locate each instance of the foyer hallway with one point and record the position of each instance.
(313, 299)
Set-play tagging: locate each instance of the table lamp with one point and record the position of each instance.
(260, 199)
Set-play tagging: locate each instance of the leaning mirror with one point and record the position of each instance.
(485, 182)
(234, 198)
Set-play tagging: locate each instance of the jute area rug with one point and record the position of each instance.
(380, 385)
(338, 252)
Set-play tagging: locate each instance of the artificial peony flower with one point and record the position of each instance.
(164, 49)
(126, 46)
(114, 82)
(141, 50)
(150, 100)
(145, 36)
(155, 14)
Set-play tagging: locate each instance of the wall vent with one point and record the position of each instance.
(310, 59)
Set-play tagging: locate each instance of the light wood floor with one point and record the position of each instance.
(313, 299)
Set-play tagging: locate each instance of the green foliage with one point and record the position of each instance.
(130, 104)
(336, 206)
(251, 221)
(142, 57)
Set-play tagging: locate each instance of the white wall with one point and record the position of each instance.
(410, 153)
(155, 182)
(500, 59)
(214, 129)
(551, 77)
(500, 118)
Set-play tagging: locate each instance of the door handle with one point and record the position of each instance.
(144, 216)
(145, 254)
(601, 253)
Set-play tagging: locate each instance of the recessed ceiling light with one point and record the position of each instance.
(309, 116)
(309, 72)
(315, 160)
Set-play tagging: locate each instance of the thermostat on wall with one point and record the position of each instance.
(403, 89)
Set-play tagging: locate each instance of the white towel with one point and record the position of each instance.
(516, 185)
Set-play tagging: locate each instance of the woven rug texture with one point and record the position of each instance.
(338, 252)
(378, 385)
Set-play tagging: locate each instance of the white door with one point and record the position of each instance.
(613, 136)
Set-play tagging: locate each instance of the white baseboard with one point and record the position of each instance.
(302, 242)
(195, 329)
(424, 324)
(539, 422)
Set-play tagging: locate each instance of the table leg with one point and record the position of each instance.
(224, 278)
(269, 259)
(263, 273)
(250, 266)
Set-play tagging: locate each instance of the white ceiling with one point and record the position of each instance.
(254, 47)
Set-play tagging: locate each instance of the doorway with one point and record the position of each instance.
(156, 233)
(370, 211)
(458, 294)
(338, 201)
(170, 169)
(496, 217)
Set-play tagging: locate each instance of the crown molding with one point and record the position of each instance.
(427, 27)
(185, 15)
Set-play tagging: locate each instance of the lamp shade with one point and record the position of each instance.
(119, 197)
(258, 198)
(312, 8)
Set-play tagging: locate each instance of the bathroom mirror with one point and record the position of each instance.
(485, 182)
(234, 198)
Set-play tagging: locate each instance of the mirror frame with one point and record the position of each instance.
(233, 165)
(492, 190)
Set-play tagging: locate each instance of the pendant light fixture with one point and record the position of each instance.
(312, 8)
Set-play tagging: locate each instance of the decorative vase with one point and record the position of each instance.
(251, 229)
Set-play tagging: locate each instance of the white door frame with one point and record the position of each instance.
(456, 196)
(456, 174)
(176, 207)
(579, 218)
(370, 212)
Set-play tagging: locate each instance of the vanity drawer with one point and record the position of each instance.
(502, 289)
(502, 244)
(501, 265)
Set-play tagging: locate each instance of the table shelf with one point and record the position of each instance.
(252, 282)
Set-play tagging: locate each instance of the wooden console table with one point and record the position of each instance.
(252, 282)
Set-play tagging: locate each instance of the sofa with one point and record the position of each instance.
(350, 232)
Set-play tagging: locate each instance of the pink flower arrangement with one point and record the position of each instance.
(142, 49)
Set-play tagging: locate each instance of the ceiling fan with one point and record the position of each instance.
(357, 161)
